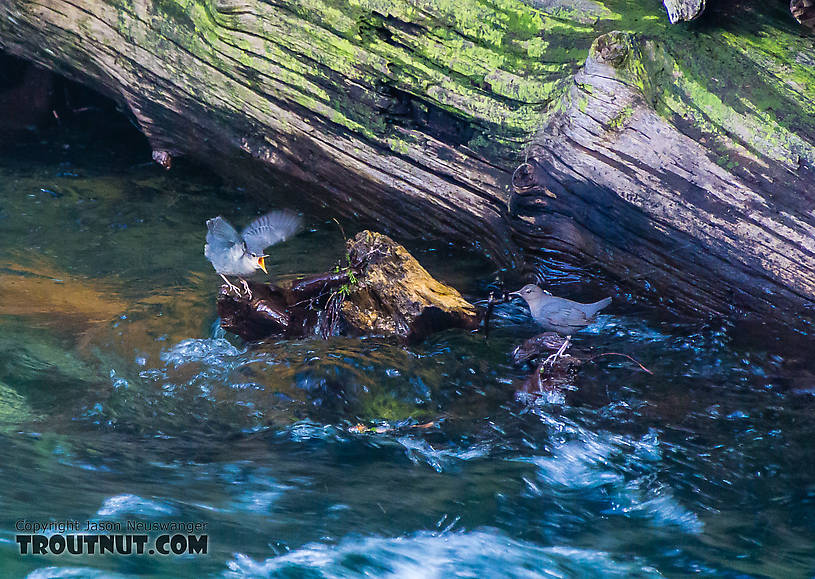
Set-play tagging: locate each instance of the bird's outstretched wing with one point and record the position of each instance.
(272, 228)
(223, 243)
(220, 232)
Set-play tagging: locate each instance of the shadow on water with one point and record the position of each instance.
(120, 399)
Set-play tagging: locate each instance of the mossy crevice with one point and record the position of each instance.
(749, 122)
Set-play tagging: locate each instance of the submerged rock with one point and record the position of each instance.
(395, 296)
(535, 346)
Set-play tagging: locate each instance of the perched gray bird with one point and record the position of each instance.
(559, 314)
(241, 255)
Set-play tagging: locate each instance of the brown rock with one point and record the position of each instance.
(290, 310)
(395, 296)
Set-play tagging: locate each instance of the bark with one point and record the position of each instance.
(679, 163)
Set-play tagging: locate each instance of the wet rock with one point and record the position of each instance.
(550, 380)
(291, 310)
(395, 296)
(804, 12)
(687, 10)
(163, 158)
(384, 292)
(535, 346)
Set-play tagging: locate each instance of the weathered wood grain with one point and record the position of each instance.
(643, 198)
(804, 12)
(679, 163)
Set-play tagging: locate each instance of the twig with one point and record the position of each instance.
(623, 355)
(487, 314)
(84, 110)
(538, 374)
(334, 219)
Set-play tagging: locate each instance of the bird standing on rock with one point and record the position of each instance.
(242, 254)
(559, 314)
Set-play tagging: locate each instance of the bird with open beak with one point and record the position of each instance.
(242, 254)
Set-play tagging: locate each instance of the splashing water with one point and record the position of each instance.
(120, 399)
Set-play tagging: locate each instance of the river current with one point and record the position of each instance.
(122, 400)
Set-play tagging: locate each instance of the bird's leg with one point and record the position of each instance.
(538, 372)
(554, 357)
(246, 287)
(230, 285)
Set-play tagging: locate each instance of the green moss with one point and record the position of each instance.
(498, 65)
(620, 120)
(703, 82)
(399, 146)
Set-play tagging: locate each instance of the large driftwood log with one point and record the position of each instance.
(680, 164)
(698, 220)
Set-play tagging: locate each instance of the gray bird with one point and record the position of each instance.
(242, 254)
(559, 314)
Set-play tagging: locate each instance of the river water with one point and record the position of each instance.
(121, 400)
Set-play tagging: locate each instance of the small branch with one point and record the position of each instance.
(487, 314)
(334, 219)
(618, 354)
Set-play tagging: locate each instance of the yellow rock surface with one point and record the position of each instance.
(396, 296)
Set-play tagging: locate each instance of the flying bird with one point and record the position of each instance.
(242, 254)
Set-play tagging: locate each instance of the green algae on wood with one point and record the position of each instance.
(415, 114)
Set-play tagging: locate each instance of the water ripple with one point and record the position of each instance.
(127, 504)
(426, 555)
(212, 352)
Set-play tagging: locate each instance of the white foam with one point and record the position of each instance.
(426, 555)
(129, 504)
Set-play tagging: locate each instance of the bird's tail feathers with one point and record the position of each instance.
(600, 305)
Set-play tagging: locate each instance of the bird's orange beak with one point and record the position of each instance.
(262, 264)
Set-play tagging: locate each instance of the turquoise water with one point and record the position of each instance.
(121, 400)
